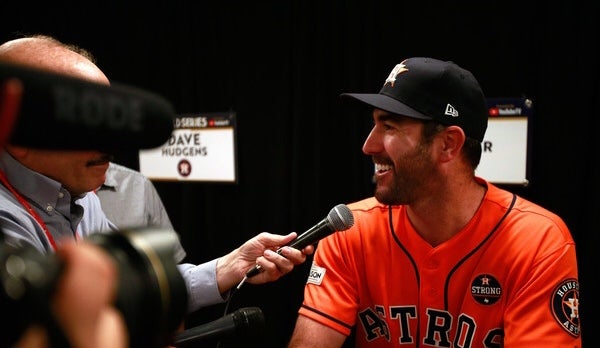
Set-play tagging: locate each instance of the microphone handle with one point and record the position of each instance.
(305, 239)
(311, 236)
(215, 329)
(247, 321)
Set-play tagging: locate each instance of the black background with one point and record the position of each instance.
(281, 65)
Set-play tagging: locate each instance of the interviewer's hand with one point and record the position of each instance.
(260, 250)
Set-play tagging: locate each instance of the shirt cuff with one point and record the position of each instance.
(201, 284)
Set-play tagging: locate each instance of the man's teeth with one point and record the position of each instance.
(382, 167)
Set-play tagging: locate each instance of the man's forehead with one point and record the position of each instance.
(382, 115)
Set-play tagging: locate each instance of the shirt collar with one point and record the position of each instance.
(110, 181)
(35, 187)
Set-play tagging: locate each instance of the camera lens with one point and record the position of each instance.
(151, 293)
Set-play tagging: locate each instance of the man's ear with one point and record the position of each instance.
(451, 141)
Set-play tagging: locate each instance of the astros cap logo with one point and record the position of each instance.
(398, 69)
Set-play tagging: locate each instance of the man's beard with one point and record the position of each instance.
(416, 171)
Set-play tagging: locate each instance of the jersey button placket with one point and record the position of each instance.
(432, 264)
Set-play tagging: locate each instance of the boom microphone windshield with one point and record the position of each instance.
(62, 112)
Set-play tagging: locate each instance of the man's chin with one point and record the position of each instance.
(382, 197)
(387, 196)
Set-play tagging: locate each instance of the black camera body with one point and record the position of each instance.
(151, 293)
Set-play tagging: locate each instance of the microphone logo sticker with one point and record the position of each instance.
(316, 275)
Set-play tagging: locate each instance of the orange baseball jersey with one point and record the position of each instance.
(507, 279)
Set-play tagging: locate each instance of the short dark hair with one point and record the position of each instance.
(471, 148)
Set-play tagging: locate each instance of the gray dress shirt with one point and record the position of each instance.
(129, 199)
(67, 217)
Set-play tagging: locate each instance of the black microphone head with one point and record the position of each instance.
(340, 218)
(249, 321)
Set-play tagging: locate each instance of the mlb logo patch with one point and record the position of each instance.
(316, 275)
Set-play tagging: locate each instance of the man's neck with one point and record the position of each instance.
(441, 217)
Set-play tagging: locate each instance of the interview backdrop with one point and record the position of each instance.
(281, 65)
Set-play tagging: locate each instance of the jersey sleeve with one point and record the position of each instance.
(331, 293)
(548, 300)
(543, 311)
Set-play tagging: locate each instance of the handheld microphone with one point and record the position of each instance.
(244, 321)
(340, 218)
(63, 112)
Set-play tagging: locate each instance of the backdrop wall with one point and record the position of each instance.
(281, 65)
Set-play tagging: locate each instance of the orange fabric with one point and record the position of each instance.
(515, 284)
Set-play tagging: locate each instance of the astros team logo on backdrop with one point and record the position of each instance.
(486, 289)
(184, 168)
(565, 305)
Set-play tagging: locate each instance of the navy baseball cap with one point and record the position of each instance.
(431, 89)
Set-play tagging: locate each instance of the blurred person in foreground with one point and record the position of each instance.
(82, 304)
(439, 257)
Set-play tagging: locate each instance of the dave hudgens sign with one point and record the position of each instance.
(201, 148)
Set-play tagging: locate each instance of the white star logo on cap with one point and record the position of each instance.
(398, 69)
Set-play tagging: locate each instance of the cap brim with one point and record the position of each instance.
(389, 104)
